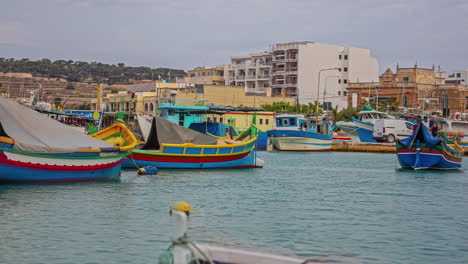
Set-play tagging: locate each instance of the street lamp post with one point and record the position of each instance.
(318, 86)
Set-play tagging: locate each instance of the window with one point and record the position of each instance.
(339, 57)
(214, 119)
(345, 57)
(151, 107)
(339, 92)
(345, 69)
(221, 120)
(146, 107)
(278, 122)
(409, 125)
(345, 93)
(267, 121)
(292, 121)
(406, 79)
(339, 80)
(261, 121)
(458, 75)
(339, 69)
(172, 112)
(345, 81)
(285, 122)
(208, 119)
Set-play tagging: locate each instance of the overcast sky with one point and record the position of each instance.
(189, 33)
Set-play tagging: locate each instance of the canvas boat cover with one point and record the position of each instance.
(423, 134)
(34, 132)
(144, 122)
(164, 131)
(217, 129)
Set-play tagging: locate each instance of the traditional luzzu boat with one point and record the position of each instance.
(119, 135)
(184, 251)
(35, 148)
(294, 132)
(170, 146)
(422, 150)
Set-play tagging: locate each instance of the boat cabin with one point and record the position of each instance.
(372, 116)
(289, 122)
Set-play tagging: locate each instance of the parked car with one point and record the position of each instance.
(388, 130)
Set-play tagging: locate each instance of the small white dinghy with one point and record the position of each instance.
(184, 251)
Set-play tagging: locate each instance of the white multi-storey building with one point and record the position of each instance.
(251, 72)
(460, 76)
(294, 68)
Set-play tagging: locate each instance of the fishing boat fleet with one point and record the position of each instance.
(37, 148)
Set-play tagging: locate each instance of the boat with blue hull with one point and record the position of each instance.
(422, 150)
(170, 146)
(294, 132)
(35, 148)
(364, 124)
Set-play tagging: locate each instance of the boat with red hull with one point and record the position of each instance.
(35, 148)
(170, 146)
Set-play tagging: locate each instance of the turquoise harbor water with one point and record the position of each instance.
(338, 207)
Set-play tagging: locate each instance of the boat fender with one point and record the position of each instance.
(148, 170)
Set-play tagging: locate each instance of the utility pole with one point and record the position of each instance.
(377, 101)
(445, 110)
(318, 87)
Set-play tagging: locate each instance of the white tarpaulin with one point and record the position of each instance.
(34, 132)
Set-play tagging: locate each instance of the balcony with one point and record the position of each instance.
(251, 77)
(265, 65)
(240, 77)
(263, 76)
(284, 85)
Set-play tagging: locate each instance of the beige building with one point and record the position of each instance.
(139, 102)
(206, 75)
(234, 96)
(416, 89)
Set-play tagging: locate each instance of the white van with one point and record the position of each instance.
(387, 130)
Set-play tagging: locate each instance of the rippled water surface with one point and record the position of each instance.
(339, 207)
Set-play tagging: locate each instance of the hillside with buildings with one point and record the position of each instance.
(81, 71)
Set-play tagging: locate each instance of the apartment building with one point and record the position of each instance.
(251, 72)
(293, 70)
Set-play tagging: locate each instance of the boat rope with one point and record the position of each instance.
(131, 156)
(201, 252)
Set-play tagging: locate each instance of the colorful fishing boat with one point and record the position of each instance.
(170, 146)
(294, 132)
(422, 150)
(36, 148)
(119, 135)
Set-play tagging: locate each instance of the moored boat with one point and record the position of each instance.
(170, 146)
(35, 148)
(294, 132)
(119, 135)
(422, 150)
(364, 124)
